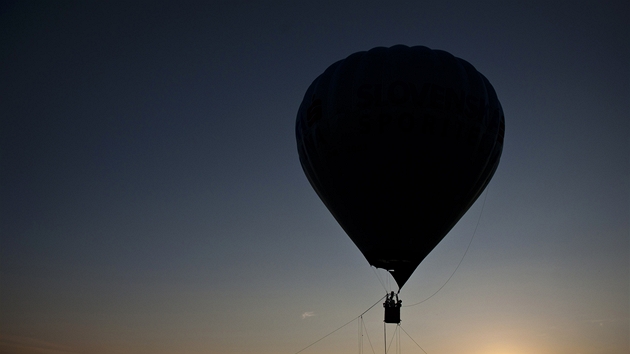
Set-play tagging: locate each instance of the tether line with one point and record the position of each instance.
(352, 320)
(368, 335)
(388, 347)
(412, 339)
(463, 256)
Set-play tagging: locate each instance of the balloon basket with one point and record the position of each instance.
(392, 309)
(392, 315)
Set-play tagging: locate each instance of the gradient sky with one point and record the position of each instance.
(152, 201)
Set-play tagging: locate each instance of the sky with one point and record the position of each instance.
(152, 200)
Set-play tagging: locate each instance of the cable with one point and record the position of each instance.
(398, 346)
(352, 320)
(367, 334)
(464, 255)
(412, 339)
(360, 335)
(391, 341)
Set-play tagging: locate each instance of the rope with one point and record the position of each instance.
(367, 334)
(463, 256)
(391, 341)
(385, 336)
(352, 320)
(412, 339)
(360, 334)
(398, 340)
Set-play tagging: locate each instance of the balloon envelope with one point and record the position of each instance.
(398, 143)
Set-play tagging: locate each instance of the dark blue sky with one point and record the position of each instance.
(151, 197)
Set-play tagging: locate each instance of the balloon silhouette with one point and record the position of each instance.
(398, 143)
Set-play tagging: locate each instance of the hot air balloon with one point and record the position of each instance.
(398, 143)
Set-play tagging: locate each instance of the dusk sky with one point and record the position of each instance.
(152, 199)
